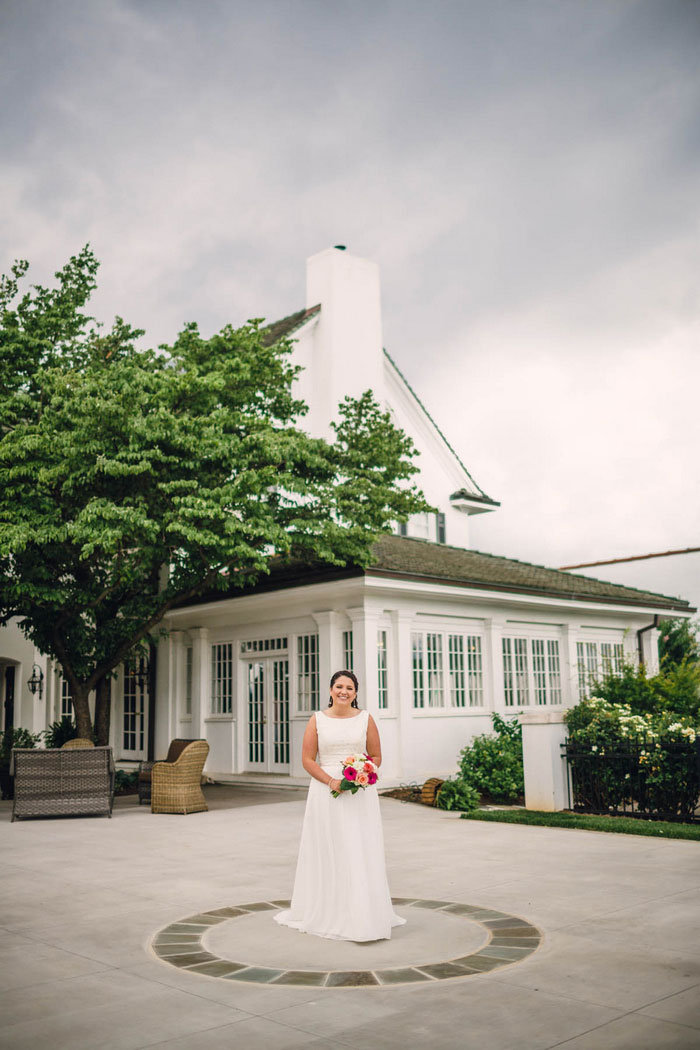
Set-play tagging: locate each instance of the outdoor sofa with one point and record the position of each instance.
(63, 782)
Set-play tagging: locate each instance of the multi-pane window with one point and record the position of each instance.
(66, 700)
(553, 671)
(515, 672)
(188, 679)
(134, 704)
(531, 668)
(348, 654)
(456, 657)
(222, 679)
(418, 663)
(307, 672)
(433, 665)
(440, 531)
(594, 658)
(263, 645)
(382, 663)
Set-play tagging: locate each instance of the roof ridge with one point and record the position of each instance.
(447, 443)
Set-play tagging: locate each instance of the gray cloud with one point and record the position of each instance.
(525, 173)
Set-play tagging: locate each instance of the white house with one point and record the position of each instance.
(439, 635)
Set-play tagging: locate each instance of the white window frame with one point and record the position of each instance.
(348, 650)
(531, 667)
(596, 656)
(306, 654)
(221, 692)
(447, 668)
(382, 669)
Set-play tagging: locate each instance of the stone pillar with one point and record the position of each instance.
(401, 687)
(544, 763)
(201, 659)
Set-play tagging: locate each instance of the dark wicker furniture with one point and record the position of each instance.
(62, 783)
(176, 787)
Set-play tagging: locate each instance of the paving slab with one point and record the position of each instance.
(82, 901)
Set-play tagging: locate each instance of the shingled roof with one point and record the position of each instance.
(285, 327)
(399, 557)
(405, 558)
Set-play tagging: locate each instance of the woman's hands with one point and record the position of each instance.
(334, 785)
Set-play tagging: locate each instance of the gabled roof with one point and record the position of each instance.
(475, 493)
(288, 325)
(401, 558)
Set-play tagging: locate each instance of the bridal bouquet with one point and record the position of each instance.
(358, 772)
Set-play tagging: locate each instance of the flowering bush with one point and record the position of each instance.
(647, 763)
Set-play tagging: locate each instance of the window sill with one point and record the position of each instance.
(220, 718)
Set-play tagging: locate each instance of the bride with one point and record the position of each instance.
(341, 889)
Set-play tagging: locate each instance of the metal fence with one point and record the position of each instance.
(638, 777)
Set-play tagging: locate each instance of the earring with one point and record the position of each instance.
(330, 701)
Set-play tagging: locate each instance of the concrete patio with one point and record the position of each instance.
(82, 899)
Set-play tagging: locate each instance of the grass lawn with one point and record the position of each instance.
(589, 822)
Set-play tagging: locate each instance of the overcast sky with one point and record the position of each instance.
(525, 172)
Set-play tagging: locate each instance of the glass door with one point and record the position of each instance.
(267, 743)
(134, 710)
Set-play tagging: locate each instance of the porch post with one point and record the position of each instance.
(200, 680)
(330, 653)
(364, 640)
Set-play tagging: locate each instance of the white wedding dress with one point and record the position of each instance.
(341, 889)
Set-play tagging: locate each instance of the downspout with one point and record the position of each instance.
(640, 642)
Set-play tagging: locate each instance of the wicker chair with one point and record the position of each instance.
(63, 783)
(78, 743)
(176, 748)
(176, 787)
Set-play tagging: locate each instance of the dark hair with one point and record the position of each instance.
(344, 674)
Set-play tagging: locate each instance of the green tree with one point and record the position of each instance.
(678, 641)
(132, 480)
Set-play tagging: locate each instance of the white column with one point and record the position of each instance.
(401, 686)
(494, 628)
(544, 764)
(201, 669)
(569, 666)
(364, 639)
(330, 650)
(650, 651)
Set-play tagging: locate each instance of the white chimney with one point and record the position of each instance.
(347, 356)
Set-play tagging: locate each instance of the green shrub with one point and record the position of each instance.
(675, 688)
(59, 732)
(457, 794)
(16, 738)
(678, 641)
(125, 783)
(493, 765)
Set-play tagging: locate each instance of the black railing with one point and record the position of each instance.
(638, 777)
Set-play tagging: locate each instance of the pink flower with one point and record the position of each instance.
(368, 767)
(350, 773)
(349, 760)
(362, 779)
(372, 778)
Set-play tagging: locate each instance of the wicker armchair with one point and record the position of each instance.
(78, 743)
(176, 748)
(176, 786)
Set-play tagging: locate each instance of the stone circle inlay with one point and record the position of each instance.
(510, 939)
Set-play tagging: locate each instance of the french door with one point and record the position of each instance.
(135, 709)
(267, 693)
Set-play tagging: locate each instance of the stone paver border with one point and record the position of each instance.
(510, 940)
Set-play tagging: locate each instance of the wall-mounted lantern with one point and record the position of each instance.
(36, 682)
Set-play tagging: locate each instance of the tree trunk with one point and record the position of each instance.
(103, 697)
(82, 712)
